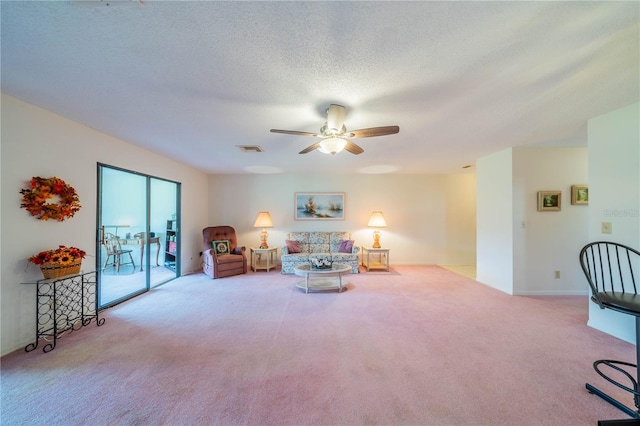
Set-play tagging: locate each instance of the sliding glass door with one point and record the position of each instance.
(138, 238)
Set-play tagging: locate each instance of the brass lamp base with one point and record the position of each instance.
(376, 239)
(263, 239)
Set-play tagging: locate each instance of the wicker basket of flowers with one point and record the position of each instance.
(59, 262)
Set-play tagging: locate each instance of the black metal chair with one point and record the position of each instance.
(611, 270)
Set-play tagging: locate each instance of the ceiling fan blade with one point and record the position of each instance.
(373, 131)
(293, 132)
(335, 118)
(353, 148)
(310, 148)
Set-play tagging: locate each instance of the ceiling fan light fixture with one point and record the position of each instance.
(332, 145)
(334, 134)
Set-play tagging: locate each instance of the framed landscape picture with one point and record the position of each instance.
(549, 201)
(319, 206)
(580, 194)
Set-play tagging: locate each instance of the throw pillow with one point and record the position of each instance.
(292, 246)
(346, 246)
(221, 247)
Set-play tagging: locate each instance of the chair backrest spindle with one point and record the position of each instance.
(631, 272)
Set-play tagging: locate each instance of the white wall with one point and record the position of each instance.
(494, 220)
(519, 249)
(614, 196)
(545, 242)
(430, 218)
(36, 142)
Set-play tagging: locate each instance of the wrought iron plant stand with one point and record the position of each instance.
(63, 305)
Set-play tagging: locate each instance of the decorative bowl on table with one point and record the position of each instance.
(321, 264)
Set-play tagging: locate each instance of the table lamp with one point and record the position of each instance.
(377, 221)
(263, 221)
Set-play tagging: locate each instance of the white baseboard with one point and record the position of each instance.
(552, 293)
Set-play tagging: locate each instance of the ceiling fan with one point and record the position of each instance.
(335, 136)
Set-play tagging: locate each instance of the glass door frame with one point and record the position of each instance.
(147, 226)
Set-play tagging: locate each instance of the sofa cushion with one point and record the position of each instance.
(302, 238)
(296, 257)
(346, 246)
(292, 246)
(335, 239)
(229, 258)
(348, 258)
(319, 242)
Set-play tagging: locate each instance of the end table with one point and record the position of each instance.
(269, 261)
(383, 257)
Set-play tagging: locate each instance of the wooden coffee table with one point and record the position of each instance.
(321, 279)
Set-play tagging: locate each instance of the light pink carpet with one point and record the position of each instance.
(418, 346)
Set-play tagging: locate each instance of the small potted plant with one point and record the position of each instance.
(59, 262)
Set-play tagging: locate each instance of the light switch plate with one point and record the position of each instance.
(606, 227)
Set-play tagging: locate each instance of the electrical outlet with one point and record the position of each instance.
(556, 274)
(606, 227)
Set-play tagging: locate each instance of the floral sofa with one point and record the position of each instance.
(337, 246)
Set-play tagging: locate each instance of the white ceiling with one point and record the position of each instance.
(192, 80)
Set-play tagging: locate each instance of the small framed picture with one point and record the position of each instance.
(549, 201)
(580, 195)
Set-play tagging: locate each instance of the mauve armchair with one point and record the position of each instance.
(222, 265)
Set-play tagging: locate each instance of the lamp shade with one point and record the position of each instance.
(263, 220)
(332, 145)
(377, 220)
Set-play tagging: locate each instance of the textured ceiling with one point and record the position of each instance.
(192, 80)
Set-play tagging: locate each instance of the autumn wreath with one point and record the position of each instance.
(34, 199)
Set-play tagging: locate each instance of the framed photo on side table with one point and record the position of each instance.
(549, 201)
(580, 195)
